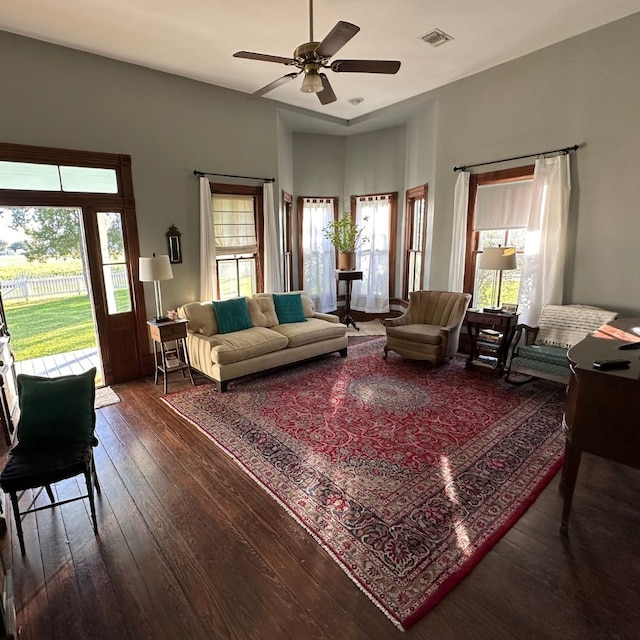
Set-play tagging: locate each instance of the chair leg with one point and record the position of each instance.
(49, 492)
(88, 476)
(384, 355)
(18, 520)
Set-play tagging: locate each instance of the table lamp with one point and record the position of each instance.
(154, 270)
(498, 259)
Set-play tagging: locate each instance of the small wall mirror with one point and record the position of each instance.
(174, 244)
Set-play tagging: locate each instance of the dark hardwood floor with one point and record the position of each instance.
(190, 547)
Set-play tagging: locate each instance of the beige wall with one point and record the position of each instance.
(585, 90)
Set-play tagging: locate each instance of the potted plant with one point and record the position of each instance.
(345, 235)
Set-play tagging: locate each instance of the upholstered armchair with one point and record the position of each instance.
(430, 327)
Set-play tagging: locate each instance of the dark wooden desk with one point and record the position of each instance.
(602, 409)
(348, 277)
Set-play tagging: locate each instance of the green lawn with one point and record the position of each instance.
(46, 327)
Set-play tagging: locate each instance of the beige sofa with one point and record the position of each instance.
(266, 345)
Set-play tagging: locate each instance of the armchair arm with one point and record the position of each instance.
(398, 321)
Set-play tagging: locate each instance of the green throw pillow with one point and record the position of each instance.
(289, 307)
(232, 315)
(56, 411)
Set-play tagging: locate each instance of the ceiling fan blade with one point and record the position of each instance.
(336, 39)
(274, 84)
(326, 96)
(365, 66)
(263, 56)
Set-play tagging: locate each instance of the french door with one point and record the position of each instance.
(110, 239)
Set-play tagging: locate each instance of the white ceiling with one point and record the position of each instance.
(196, 38)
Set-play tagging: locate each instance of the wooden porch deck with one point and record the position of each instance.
(62, 364)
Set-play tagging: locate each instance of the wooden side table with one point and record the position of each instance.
(490, 334)
(162, 333)
(348, 277)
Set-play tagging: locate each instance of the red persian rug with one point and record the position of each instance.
(407, 477)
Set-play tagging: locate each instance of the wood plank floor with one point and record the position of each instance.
(190, 548)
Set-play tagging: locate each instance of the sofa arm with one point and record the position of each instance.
(329, 317)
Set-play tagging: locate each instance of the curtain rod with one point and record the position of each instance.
(565, 150)
(228, 175)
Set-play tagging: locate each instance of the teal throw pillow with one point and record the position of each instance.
(289, 307)
(232, 315)
(56, 411)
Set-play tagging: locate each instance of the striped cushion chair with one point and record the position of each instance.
(541, 352)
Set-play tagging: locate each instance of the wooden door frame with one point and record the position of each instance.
(123, 202)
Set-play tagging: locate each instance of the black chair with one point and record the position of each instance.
(55, 442)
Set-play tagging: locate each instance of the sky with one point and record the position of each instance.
(7, 234)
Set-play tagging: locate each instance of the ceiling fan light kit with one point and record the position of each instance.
(312, 56)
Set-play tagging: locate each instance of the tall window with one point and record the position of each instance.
(318, 259)
(499, 206)
(237, 222)
(376, 214)
(287, 241)
(415, 240)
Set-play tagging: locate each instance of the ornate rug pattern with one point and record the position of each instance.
(407, 477)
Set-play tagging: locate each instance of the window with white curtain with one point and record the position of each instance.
(375, 258)
(318, 255)
(236, 244)
(501, 205)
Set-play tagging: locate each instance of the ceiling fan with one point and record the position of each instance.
(312, 56)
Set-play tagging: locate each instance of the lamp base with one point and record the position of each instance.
(162, 319)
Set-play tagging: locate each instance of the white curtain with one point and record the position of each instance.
(459, 237)
(208, 278)
(371, 294)
(318, 254)
(544, 254)
(273, 257)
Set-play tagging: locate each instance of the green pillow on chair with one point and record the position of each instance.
(232, 315)
(289, 307)
(56, 411)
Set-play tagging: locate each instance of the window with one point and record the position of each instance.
(287, 241)
(499, 205)
(415, 240)
(237, 228)
(30, 176)
(376, 257)
(318, 256)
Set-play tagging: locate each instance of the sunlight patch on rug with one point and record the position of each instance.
(407, 477)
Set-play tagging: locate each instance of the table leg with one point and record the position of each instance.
(155, 363)
(572, 456)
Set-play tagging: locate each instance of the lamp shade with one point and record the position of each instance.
(155, 268)
(498, 258)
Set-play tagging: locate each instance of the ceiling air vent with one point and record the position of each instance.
(435, 37)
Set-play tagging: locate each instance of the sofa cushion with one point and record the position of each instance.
(249, 343)
(232, 315)
(262, 312)
(311, 330)
(289, 307)
(200, 316)
(307, 303)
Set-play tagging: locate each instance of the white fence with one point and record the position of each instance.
(28, 287)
